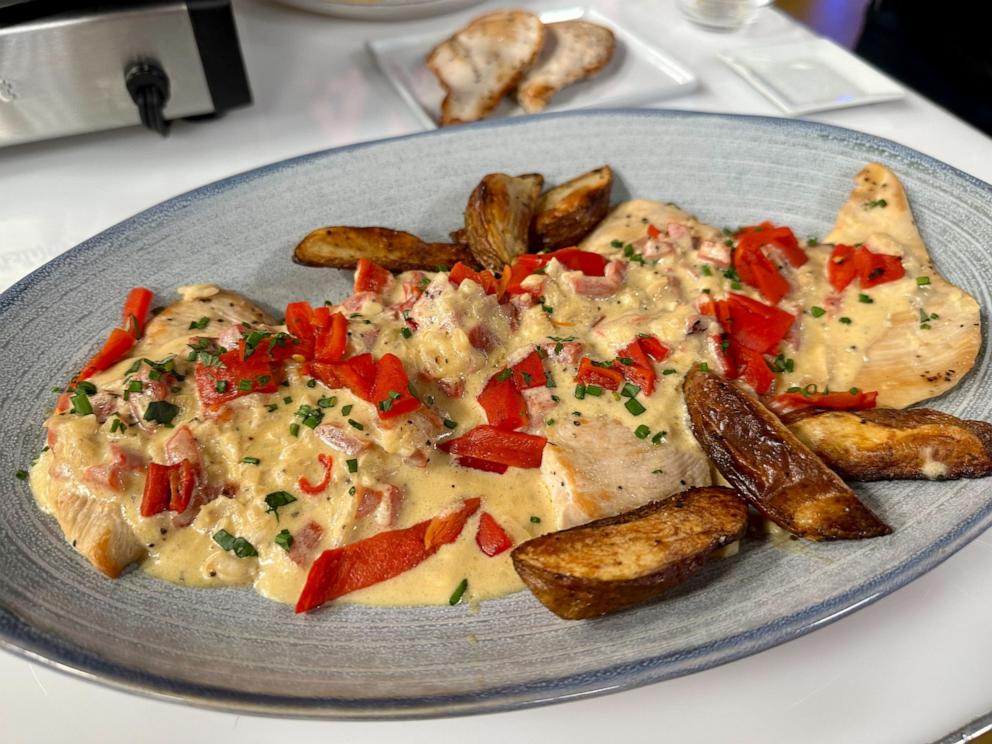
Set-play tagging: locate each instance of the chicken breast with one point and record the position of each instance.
(483, 62)
(573, 51)
(598, 469)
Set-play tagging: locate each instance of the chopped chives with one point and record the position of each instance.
(642, 432)
(669, 371)
(244, 385)
(626, 361)
(865, 299)
(352, 465)
(634, 406)
(311, 383)
(594, 390)
(816, 311)
(629, 390)
(845, 320)
(136, 386)
(704, 367)
(287, 400)
(86, 386)
(656, 439)
(356, 425)
(449, 424)
(504, 375)
(922, 281)
(535, 519)
(327, 402)
(580, 391)
(220, 387)
(294, 430)
(345, 410)
(284, 540)
(21, 475)
(406, 332)
(456, 596)
(250, 460)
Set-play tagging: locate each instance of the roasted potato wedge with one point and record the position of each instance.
(498, 215)
(613, 563)
(776, 472)
(889, 444)
(569, 212)
(341, 247)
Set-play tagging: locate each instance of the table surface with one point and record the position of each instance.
(911, 667)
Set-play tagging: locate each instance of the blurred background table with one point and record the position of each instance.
(911, 667)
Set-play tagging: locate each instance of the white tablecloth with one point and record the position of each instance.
(911, 667)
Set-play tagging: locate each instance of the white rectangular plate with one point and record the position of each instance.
(638, 73)
(815, 75)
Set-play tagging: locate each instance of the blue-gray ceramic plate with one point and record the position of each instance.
(232, 649)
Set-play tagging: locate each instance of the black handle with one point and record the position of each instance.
(149, 88)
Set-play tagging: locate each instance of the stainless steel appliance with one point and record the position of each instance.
(71, 67)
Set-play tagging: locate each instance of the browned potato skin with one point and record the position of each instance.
(341, 247)
(569, 212)
(770, 467)
(890, 444)
(580, 573)
(498, 215)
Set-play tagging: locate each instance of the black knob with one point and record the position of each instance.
(149, 88)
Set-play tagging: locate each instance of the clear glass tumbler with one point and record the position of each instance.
(722, 15)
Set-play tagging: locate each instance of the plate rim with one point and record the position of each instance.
(18, 637)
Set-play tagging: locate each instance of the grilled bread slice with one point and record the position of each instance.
(341, 247)
(887, 444)
(605, 566)
(574, 51)
(770, 467)
(483, 62)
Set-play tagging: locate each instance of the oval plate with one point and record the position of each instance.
(234, 650)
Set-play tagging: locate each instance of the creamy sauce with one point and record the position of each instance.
(657, 297)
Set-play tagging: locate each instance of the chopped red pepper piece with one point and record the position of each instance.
(843, 401)
(505, 407)
(158, 492)
(136, 307)
(522, 268)
(307, 487)
(591, 374)
(391, 389)
(877, 268)
(370, 277)
(841, 268)
(182, 481)
(116, 347)
(653, 347)
(299, 322)
(755, 325)
(589, 263)
(379, 558)
(491, 537)
(751, 367)
(331, 340)
(485, 279)
(653, 232)
(476, 464)
(486, 442)
(757, 271)
(357, 374)
(236, 377)
(767, 234)
(529, 373)
(639, 371)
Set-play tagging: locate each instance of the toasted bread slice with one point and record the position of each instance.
(569, 212)
(498, 215)
(574, 50)
(614, 563)
(886, 444)
(341, 247)
(484, 61)
(770, 467)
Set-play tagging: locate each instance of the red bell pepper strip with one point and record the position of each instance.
(505, 407)
(379, 558)
(330, 342)
(236, 377)
(841, 268)
(299, 323)
(486, 442)
(755, 236)
(114, 349)
(182, 481)
(843, 401)
(635, 366)
(391, 389)
(136, 307)
(522, 268)
(751, 367)
(158, 492)
(653, 347)
(591, 374)
(653, 232)
(307, 487)
(485, 279)
(370, 277)
(491, 537)
(755, 325)
(757, 271)
(877, 268)
(476, 464)
(529, 373)
(357, 374)
(589, 263)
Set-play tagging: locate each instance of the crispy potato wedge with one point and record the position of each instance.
(774, 471)
(613, 563)
(569, 212)
(888, 444)
(341, 247)
(497, 217)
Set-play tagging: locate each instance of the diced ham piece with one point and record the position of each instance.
(367, 339)
(110, 474)
(182, 445)
(357, 301)
(202, 494)
(231, 336)
(715, 253)
(533, 285)
(104, 405)
(382, 505)
(452, 388)
(680, 236)
(305, 540)
(152, 390)
(598, 286)
(539, 405)
(482, 338)
(419, 459)
(652, 248)
(338, 439)
(697, 324)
